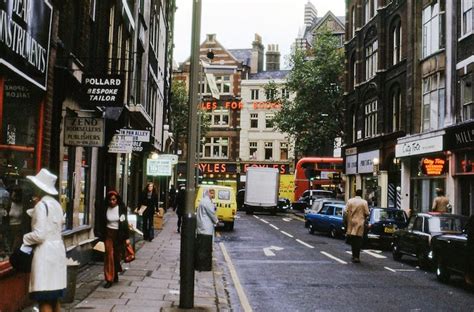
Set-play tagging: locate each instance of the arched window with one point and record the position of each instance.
(353, 21)
(396, 41)
(396, 108)
(353, 71)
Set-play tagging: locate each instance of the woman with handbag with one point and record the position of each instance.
(48, 278)
(114, 232)
(149, 198)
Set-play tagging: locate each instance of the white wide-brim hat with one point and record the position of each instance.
(45, 180)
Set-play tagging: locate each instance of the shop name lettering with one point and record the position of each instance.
(281, 168)
(17, 39)
(465, 137)
(411, 147)
(107, 93)
(83, 130)
(212, 168)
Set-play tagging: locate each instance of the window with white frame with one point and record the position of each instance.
(467, 98)
(433, 102)
(353, 21)
(433, 29)
(271, 94)
(353, 71)
(269, 120)
(371, 59)
(466, 23)
(285, 93)
(111, 39)
(370, 9)
(92, 10)
(396, 42)
(254, 121)
(254, 93)
(370, 119)
(216, 147)
(354, 128)
(222, 82)
(396, 99)
(268, 150)
(220, 117)
(283, 151)
(253, 147)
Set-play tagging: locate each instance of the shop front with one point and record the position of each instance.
(23, 101)
(425, 168)
(460, 141)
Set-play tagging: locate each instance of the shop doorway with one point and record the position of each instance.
(466, 193)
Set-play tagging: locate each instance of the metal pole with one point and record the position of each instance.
(186, 294)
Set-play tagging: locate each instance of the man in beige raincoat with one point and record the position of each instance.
(357, 210)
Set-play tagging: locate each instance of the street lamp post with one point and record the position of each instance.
(186, 294)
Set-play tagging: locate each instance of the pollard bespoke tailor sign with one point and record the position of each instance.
(25, 31)
(104, 90)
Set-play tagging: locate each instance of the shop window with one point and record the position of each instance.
(467, 98)
(465, 162)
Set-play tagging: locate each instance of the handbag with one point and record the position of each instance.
(140, 210)
(21, 261)
(129, 252)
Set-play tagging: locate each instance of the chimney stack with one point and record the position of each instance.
(273, 58)
(256, 62)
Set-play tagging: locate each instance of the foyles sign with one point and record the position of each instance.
(25, 31)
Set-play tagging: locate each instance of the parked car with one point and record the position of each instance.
(415, 240)
(306, 199)
(327, 220)
(382, 223)
(450, 255)
(317, 205)
(284, 204)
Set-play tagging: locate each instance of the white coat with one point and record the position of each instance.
(48, 269)
(206, 216)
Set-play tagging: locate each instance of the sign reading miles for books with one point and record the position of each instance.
(84, 131)
(104, 90)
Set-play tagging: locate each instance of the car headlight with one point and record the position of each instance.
(430, 255)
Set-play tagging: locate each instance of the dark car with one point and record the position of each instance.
(306, 199)
(415, 240)
(317, 205)
(450, 255)
(382, 223)
(284, 204)
(327, 220)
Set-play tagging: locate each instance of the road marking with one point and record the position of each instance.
(399, 270)
(373, 254)
(391, 270)
(287, 234)
(303, 243)
(274, 227)
(268, 250)
(286, 219)
(333, 257)
(264, 221)
(240, 291)
(256, 217)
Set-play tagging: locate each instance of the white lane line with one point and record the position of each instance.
(286, 219)
(256, 217)
(287, 234)
(240, 291)
(373, 254)
(333, 257)
(391, 270)
(274, 227)
(264, 221)
(303, 243)
(405, 270)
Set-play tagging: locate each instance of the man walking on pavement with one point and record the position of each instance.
(357, 210)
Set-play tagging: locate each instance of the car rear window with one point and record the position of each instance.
(446, 224)
(223, 195)
(384, 215)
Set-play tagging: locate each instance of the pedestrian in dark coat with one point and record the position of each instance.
(172, 197)
(357, 211)
(180, 206)
(149, 198)
(114, 232)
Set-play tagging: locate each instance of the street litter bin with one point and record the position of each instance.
(72, 270)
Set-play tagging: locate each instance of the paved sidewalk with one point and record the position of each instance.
(151, 282)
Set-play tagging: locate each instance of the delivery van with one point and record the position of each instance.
(226, 205)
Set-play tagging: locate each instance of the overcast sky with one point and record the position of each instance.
(236, 21)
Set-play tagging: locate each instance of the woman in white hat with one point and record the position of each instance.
(48, 276)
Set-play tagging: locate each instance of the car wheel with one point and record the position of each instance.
(311, 228)
(442, 273)
(333, 232)
(422, 260)
(249, 211)
(229, 226)
(306, 224)
(397, 255)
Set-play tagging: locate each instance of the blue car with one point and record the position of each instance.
(327, 220)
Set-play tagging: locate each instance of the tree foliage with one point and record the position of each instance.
(180, 109)
(314, 117)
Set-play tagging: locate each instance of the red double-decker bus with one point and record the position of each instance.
(317, 173)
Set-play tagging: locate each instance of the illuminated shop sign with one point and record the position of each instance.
(266, 105)
(221, 104)
(25, 31)
(282, 168)
(433, 166)
(217, 168)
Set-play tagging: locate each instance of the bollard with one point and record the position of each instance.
(186, 289)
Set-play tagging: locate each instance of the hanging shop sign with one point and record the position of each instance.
(25, 32)
(433, 166)
(460, 136)
(139, 136)
(421, 146)
(158, 167)
(84, 131)
(365, 162)
(121, 144)
(170, 157)
(103, 90)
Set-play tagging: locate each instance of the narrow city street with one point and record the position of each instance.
(282, 267)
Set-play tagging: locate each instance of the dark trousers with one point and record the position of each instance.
(148, 230)
(356, 243)
(203, 256)
(180, 221)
